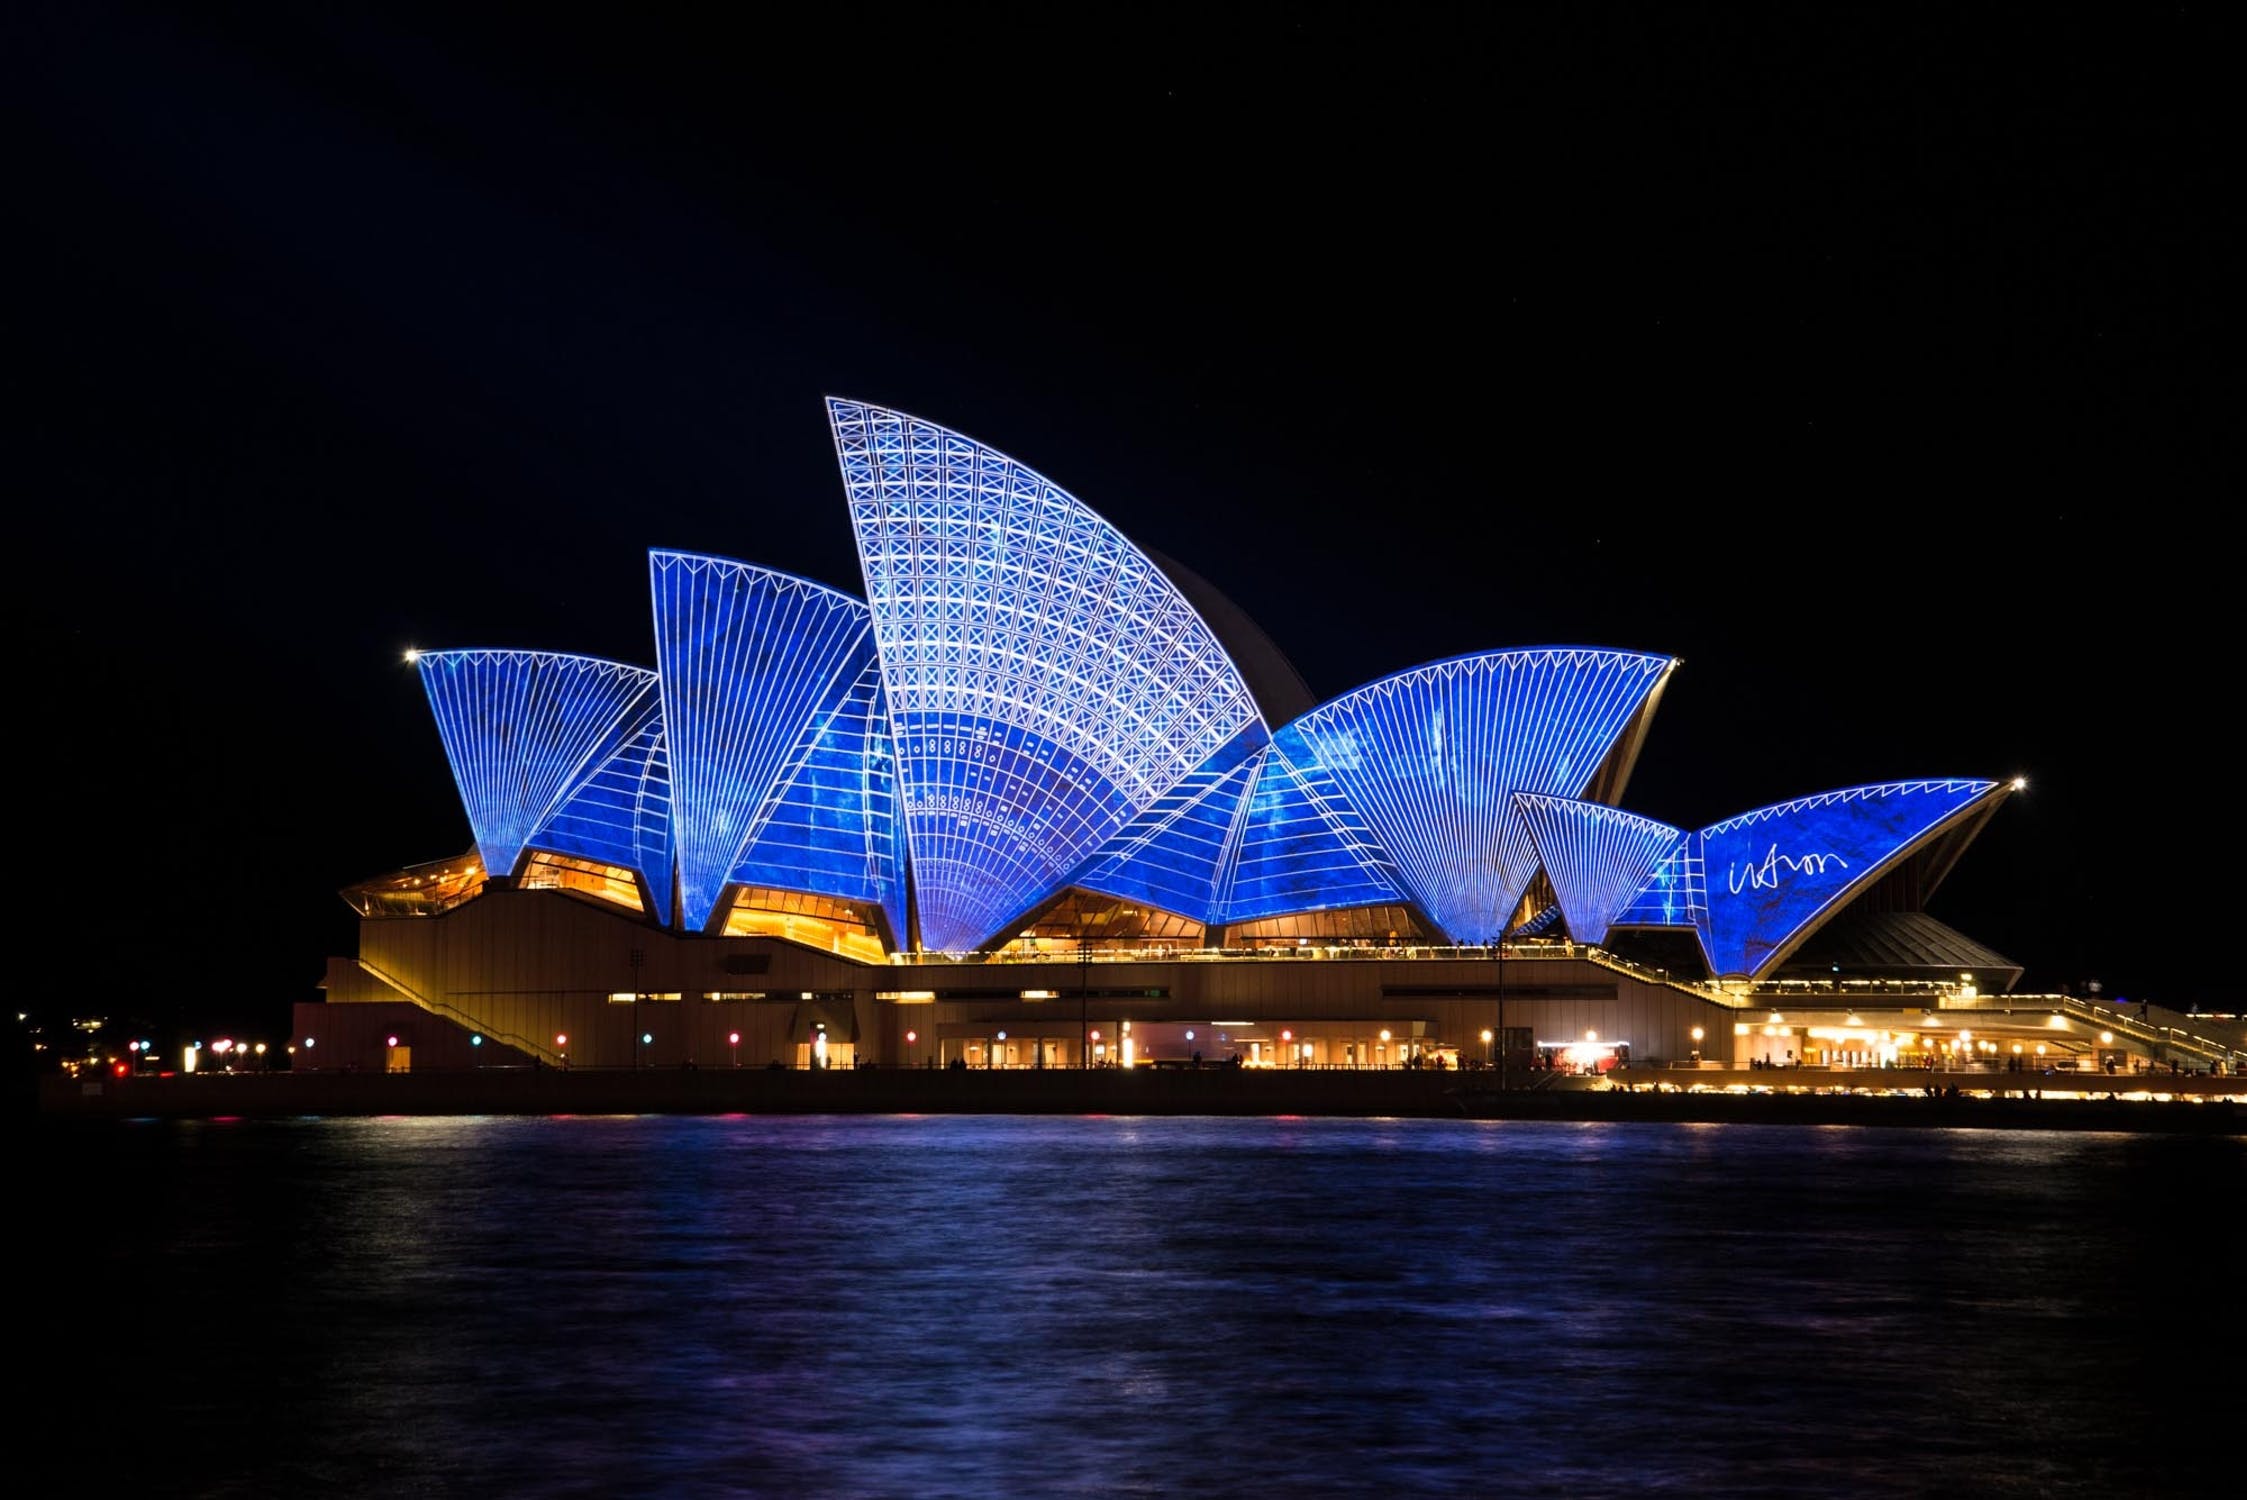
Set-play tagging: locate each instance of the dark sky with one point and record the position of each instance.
(1864, 360)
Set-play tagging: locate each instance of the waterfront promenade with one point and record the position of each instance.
(2187, 1103)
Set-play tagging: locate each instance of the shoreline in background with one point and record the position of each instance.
(2189, 1103)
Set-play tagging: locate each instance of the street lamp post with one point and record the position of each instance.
(1084, 999)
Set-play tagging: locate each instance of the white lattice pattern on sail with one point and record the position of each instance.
(1431, 758)
(748, 657)
(524, 730)
(1675, 893)
(1596, 856)
(1046, 682)
(1873, 792)
(621, 814)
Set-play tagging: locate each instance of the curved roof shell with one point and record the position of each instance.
(1597, 857)
(1026, 701)
(780, 747)
(1431, 759)
(1757, 885)
(554, 750)
(1047, 683)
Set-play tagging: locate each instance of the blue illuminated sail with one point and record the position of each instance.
(1303, 848)
(621, 814)
(779, 762)
(1174, 854)
(1776, 872)
(833, 827)
(526, 731)
(1431, 759)
(1674, 895)
(1046, 682)
(1597, 857)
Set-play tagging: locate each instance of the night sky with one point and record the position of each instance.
(1865, 361)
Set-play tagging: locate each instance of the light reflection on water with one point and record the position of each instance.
(984, 1306)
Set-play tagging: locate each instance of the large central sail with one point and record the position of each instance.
(1046, 681)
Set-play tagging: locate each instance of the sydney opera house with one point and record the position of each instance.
(1039, 797)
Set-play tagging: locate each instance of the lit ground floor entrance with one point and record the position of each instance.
(1111, 1043)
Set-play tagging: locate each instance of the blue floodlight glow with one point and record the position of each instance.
(1431, 758)
(1675, 895)
(1597, 857)
(1046, 681)
(1174, 854)
(1776, 872)
(780, 772)
(1028, 701)
(833, 828)
(525, 731)
(1303, 848)
(1243, 838)
(621, 814)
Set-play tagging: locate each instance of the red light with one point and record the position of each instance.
(119, 1069)
(733, 1038)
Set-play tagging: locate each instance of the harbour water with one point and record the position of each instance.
(897, 1306)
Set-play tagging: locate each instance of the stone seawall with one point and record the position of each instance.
(1405, 1094)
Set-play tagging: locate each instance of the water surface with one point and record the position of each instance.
(998, 1306)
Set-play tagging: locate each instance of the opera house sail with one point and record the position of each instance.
(1027, 734)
